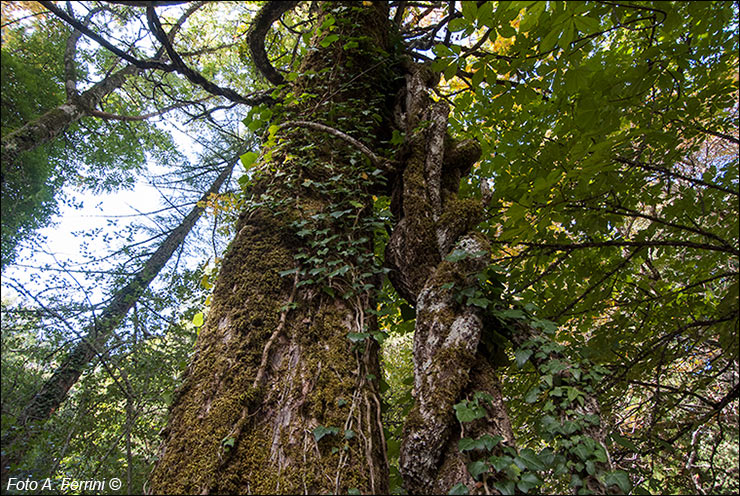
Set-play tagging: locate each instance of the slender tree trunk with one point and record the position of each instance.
(55, 389)
(55, 121)
(282, 393)
(433, 223)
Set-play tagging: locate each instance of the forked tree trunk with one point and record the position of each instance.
(277, 398)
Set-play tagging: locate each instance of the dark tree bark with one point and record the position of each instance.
(277, 399)
(54, 390)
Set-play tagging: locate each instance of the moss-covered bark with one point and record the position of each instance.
(274, 368)
(434, 222)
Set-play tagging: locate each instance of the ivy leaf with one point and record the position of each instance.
(228, 442)
(620, 479)
(321, 431)
(522, 356)
(457, 255)
(356, 337)
(459, 488)
(531, 460)
(466, 411)
(582, 451)
(466, 444)
(506, 488)
(532, 395)
(477, 468)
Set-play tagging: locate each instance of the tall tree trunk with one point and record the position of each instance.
(282, 393)
(55, 389)
(434, 223)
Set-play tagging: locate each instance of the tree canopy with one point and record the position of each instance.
(591, 161)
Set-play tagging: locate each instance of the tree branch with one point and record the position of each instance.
(667, 172)
(377, 161)
(116, 117)
(600, 244)
(269, 13)
(192, 75)
(142, 64)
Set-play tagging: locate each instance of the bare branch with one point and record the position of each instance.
(109, 116)
(192, 75)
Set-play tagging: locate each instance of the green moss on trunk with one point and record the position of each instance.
(266, 374)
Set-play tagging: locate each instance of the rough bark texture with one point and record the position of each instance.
(273, 362)
(434, 222)
(54, 390)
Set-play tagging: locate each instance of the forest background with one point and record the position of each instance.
(607, 174)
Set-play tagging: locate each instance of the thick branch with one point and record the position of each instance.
(142, 64)
(70, 72)
(185, 70)
(256, 38)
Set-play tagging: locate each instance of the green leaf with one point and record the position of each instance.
(407, 312)
(329, 40)
(353, 490)
(321, 431)
(248, 159)
(532, 395)
(198, 319)
(620, 479)
(479, 302)
(469, 11)
(228, 442)
(506, 488)
(466, 411)
(623, 441)
(522, 356)
(549, 40)
(459, 488)
(349, 434)
(531, 460)
(466, 444)
(477, 468)
(457, 24)
(500, 462)
(356, 337)
(582, 451)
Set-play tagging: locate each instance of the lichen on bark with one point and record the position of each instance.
(432, 223)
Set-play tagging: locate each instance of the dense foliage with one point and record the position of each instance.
(609, 175)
